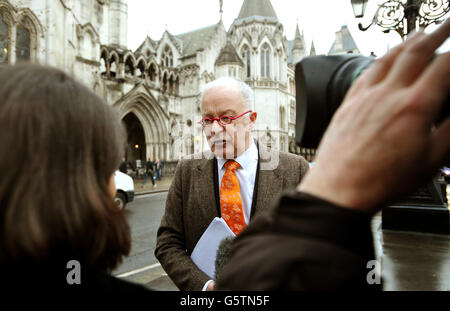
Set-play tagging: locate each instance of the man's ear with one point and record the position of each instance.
(253, 116)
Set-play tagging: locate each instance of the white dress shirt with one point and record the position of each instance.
(246, 174)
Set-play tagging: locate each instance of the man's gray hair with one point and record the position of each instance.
(245, 90)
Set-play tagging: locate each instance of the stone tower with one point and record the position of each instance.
(118, 23)
(258, 37)
(228, 63)
(299, 49)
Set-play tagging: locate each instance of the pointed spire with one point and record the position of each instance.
(297, 32)
(299, 46)
(299, 42)
(221, 10)
(228, 55)
(262, 8)
(313, 49)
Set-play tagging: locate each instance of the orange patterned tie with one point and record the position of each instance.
(230, 198)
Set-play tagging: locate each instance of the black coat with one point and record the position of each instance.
(304, 244)
(150, 166)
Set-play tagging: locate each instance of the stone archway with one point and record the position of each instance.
(152, 133)
(135, 148)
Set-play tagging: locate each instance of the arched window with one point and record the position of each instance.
(88, 47)
(113, 65)
(129, 67)
(152, 72)
(104, 66)
(265, 61)
(140, 70)
(292, 111)
(292, 86)
(4, 40)
(282, 117)
(19, 34)
(245, 54)
(165, 83)
(23, 43)
(167, 57)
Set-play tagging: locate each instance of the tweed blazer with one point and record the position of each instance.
(193, 202)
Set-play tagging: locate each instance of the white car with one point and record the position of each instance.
(124, 189)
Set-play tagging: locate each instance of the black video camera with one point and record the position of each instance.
(321, 84)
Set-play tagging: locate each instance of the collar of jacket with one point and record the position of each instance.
(265, 180)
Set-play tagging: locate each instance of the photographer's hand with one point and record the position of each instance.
(381, 142)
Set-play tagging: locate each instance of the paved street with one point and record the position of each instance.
(410, 261)
(144, 215)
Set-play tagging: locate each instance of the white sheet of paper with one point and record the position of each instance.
(204, 253)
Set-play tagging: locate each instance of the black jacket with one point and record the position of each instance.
(304, 244)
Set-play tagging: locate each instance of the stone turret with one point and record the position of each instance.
(313, 49)
(228, 63)
(298, 50)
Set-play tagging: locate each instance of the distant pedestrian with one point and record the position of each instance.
(158, 168)
(149, 172)
(123, 166)
(161, 163)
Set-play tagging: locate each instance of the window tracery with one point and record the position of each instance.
(265, 61)
(23, 42)
(245, 54)
(167, 57)
(19, 30)
(4, 40)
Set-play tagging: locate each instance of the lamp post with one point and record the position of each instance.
(403, 16)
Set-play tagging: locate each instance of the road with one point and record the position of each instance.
(141, 266)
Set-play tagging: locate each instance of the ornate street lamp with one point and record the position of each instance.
(359, 6)
(404, 16)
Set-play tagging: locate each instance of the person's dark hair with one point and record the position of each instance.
(60, 144)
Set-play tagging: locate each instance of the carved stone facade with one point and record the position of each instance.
(156, 88)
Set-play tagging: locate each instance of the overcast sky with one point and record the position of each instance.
(319, 20)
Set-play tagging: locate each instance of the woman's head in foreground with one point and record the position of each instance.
(60, 145)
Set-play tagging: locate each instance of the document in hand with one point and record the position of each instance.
(204, 253)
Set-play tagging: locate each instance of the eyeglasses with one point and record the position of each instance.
(223, 120)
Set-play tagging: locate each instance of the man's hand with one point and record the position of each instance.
(384, 129)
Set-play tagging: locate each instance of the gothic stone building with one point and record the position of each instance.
(156, 88)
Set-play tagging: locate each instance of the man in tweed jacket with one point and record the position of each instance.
(193, 199)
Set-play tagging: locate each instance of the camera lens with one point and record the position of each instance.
(321, 85)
